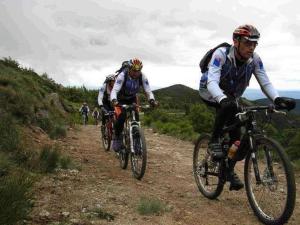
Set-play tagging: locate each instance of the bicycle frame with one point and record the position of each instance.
(131, 122)
(252, 132)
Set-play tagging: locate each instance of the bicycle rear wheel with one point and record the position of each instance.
(106, 137)
(206, 171)
(139, 157)
(272, 195)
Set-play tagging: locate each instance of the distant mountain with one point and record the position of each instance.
(254, 94)
(265, 101)
(177, 96)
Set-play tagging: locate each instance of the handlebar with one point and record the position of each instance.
(268, 108)
(109, 113)
(134, 106)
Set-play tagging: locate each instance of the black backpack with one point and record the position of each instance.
(207, 57)
(125, 66)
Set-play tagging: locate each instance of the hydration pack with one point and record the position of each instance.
(207, 57)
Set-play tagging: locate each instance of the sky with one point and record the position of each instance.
(79, 42)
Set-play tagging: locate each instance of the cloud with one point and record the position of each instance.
(79, 42)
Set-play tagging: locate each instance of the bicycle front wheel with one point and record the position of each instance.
(270, 182)
(206, 172)
(139, 156)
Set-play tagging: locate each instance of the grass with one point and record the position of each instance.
(151, 206)
(49, 159)
(15, 198)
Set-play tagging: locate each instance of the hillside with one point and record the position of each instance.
(177, 96)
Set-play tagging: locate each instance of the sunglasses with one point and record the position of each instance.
(248, 43)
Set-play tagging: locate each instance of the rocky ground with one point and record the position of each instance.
(100, 192)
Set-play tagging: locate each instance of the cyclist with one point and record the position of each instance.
(84, 109)
(104, 97)
(125, 90)
(228, 75)
(95, 115)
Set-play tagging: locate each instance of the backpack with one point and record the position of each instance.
(207, 57)
(125, 66)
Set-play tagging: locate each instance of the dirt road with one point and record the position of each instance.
(71, 197)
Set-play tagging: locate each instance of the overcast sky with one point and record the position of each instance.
(79, 42)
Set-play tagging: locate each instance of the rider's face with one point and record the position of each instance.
(111, 84)
(245, 47)
(134, 74)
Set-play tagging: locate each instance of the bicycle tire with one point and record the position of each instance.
(140, 153)
(106, 138)
(205, 164)
(124, 154)
(289, 204)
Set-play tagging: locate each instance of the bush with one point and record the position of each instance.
(15, 199)
(201, 118)
(148, 206)
(49, 159)
(65, 162)
(58, 132)
(9, 134)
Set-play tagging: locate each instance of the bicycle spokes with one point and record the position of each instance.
(269, 192)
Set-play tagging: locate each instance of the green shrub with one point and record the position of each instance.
(5, 164)
(65, 162)
(15, 199)
(201, 118)
(49, 159)
(45, 123)
(9, 134)
(149, 206)
(58, 132)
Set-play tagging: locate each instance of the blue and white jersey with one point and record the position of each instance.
(224, 78)
(103, 95)
(128, 88)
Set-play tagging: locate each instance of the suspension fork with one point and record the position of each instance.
(269, 161)
(132, 124)
(253, 150)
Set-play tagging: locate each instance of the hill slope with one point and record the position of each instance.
(177, 96)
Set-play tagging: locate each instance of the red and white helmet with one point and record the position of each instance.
(246, 31)
(136, 64)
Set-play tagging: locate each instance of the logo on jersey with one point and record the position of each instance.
(217, 62)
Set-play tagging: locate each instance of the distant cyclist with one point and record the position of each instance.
(228, 75)
(125, 91)
(96, 115)
(84, 110)
(104, 97)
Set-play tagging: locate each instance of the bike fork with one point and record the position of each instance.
(254, 160)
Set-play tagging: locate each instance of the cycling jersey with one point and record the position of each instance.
(224, 78)
(126, 88)
(103, 96)
(84, 109)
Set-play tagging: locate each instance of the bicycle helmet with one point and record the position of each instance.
(109, 78)
(246, 31)
(135, 64)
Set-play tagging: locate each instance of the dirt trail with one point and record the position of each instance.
(70, 196)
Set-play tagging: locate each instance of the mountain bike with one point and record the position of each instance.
(134, 143)
(107, 130)
(268, 173)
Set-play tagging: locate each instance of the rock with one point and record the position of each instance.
(65, 214)
(84, 210)
(44, 214)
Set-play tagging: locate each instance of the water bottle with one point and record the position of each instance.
(233, 149)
